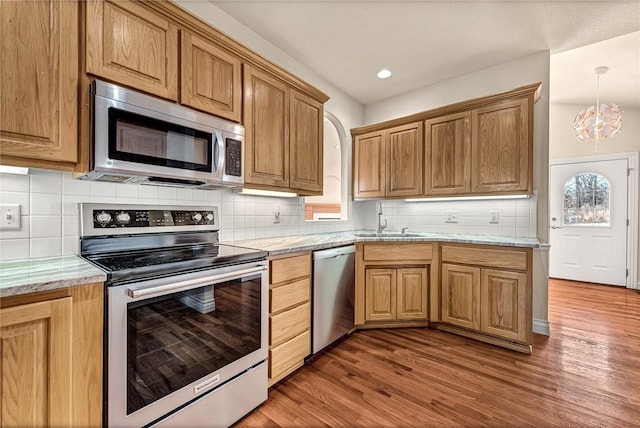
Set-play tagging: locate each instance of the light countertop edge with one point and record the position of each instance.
(290, 244)
(48, 273)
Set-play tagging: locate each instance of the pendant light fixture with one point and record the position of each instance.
(598, 122)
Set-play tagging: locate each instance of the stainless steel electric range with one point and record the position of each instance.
(185, 317)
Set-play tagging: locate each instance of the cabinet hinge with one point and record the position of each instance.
(627, 222)
(627, 272)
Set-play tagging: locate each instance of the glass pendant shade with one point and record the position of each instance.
(608, 123)
(598, 122)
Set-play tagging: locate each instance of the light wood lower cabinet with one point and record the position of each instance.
(289, 314)
(392, 284)
(489, 294)
(51, 346)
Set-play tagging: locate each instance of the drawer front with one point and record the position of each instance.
(288, 324)
(289, 354)
(401, 252)
(290, 268)
(508, 259)
(286, 296)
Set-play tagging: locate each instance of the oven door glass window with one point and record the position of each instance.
(180, 338)
(137, 138)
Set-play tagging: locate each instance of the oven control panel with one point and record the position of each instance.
(127, 218)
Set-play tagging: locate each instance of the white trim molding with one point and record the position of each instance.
(541, 327)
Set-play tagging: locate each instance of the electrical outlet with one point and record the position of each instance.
(452, 217)
(10, 217)
(494, 217)
(276, 215)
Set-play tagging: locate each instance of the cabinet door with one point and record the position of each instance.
(266, 113)
(461, 296)
(369, 176)
(504, 304)
(36, 364)
(132, 45)
(501, 148)
(306, 144)
(39, 84)
(412, 293)
(448, 154)
(211, 78)
(380, 295)
(404, 157)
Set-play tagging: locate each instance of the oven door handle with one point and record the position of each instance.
(135, 292)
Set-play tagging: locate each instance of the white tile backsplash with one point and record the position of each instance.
(45, 204)
(14, 249)
(14, 183)
(45, 182)
(45, 247)
(45, 226)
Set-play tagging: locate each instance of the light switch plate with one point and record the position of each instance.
(9, 216)
(494, 217)
(452, 217)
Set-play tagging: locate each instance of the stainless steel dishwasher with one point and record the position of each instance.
(333, 295)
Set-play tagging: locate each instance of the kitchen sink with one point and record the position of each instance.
(387, 235)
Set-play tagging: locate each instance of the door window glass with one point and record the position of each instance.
(586, 200)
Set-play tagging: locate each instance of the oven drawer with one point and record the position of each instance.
(288, 324)
(290, 268)
(286, 296)
(289, 355)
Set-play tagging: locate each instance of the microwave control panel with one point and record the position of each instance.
(233, 157)
(106, 218)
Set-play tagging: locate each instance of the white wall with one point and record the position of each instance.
(501, 78)
(563, 144)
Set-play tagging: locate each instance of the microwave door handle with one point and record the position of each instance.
(218, 152)
(138, 292)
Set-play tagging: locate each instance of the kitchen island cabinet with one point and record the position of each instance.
(52, 357)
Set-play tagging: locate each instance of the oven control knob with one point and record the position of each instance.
(196, 217)
(209, 217)
(103, 218)
(123, 218)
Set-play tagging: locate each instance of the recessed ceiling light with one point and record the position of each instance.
(384, 73)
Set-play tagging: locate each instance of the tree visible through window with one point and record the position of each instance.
(586, 200)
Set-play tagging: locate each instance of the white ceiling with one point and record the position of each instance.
(426, 42)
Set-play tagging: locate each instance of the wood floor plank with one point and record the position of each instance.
(587, 373)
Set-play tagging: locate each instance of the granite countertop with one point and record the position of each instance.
(50, 273)
(319, 241)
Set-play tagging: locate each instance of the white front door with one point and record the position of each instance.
(588, 207)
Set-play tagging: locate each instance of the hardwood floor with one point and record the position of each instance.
(587, 373)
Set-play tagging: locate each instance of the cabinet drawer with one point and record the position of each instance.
(289, 354)
(288, 295)
(401, 252)
(509, 259)
(290, 268)
(287, 324)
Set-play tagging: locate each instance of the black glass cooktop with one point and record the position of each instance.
(127, 266)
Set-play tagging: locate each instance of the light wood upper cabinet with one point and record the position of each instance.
(404, 156)
(211, 78)
(388, 163)
(369, 166)
(36, 364)
(502, 156)
(283, 136)
(266, 113)
(132, 45)
(306, 143)
(448, 154)
(39, 85)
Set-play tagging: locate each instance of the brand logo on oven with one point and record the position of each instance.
(206, 384)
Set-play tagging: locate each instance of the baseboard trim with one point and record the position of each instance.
(541, 327)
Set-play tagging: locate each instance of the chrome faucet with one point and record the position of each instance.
(380, 225)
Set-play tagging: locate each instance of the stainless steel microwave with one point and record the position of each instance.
(136, 138)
